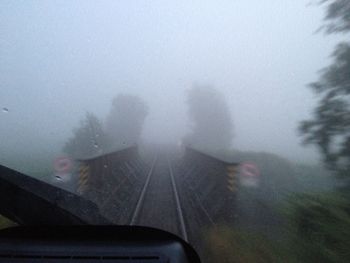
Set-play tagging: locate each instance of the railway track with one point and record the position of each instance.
(186, 194)
(159, 203)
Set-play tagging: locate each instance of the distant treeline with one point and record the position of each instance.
(122, 128)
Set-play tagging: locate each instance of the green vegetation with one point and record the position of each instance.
(320, 222)
(228, 244)
(329, 126)
(318, 230)
(319, 227)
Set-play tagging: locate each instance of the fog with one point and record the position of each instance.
(59, 60)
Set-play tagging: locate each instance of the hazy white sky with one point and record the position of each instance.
(59, 59)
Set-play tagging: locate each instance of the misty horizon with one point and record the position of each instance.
(60, 61)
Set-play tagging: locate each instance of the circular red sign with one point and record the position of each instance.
(249, 169)
(62, 164)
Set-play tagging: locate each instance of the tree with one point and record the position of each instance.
(89, 139)
(321, 221)
(125, 120)
(337, 16)
(329, 127)
(210, 118)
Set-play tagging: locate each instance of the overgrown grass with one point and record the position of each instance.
(228, 244)
(317, 230)
(320, 227)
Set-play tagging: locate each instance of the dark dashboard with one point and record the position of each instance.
(93, 244)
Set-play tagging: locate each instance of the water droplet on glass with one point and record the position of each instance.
(95, 145)
(5, 110)
(124, 143)
(57, 177)
(105, 166)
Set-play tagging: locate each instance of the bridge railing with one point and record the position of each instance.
(213, 183)
(110, 180)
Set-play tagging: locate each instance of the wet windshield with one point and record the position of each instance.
(224, 122)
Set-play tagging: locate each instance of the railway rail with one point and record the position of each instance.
(185, 195)
(160, 183)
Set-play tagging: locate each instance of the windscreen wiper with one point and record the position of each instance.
(60, 226)
(29, 201)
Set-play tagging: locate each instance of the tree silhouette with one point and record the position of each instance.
(210, 118)
(88, 140)
(329, 127)
(125, 120)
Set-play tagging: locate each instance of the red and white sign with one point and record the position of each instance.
(250, 174)
(62, 165)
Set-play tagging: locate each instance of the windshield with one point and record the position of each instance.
(224, 122)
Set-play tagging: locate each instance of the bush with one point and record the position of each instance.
(320, 227)
(228, 244)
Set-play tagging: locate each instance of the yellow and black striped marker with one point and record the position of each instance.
(83, 178)
(232, 180)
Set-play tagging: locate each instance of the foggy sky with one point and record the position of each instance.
(59, 59)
